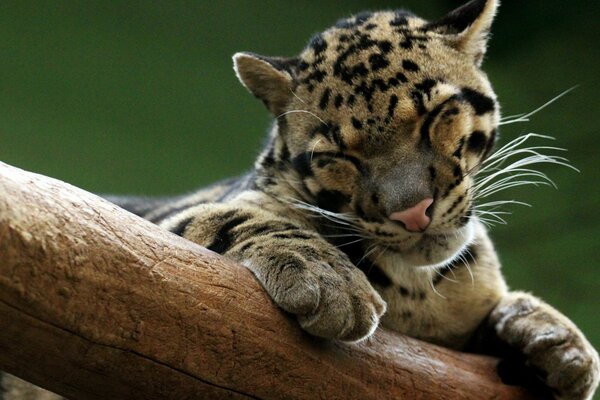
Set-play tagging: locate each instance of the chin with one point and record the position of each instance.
(437, 250)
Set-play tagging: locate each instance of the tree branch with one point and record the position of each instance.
(96, 303)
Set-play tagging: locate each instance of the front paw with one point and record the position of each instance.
(331, 297)
(551, 344)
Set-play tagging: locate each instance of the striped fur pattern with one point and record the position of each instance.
(377, 113)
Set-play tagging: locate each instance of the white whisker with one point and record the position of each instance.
(302, 111)
(312, 152)
(525, 117)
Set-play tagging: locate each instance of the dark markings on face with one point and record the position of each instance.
(301, 163)
(392, 105)
(324, 99)
(432, 173)
(269, 159)
(413, 295)
(451, 112)
(332, 200)
(410, 39)
(378, 61)
(375, 198)
(360, 212)
(429, 121)
(351, 100)
(332, 132)
(349, 73)
(336, 136)
(490, 144)
(401, 77)
(284, 154)
(410, 65)
(385, 46)
(315, 76)
(339, 100)
(426, 86)
(480, 102)
(466, 217)
(421, 90)
(303, 66)
(224, 238)
(453, 206)
(356, 123)
(457, 171)
(282, 126)
(477, 142)
(458, 152)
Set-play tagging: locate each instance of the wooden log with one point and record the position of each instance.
(96, 303)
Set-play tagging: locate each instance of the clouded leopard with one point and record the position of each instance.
(364, 208)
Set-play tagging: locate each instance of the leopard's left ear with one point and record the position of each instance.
(270, 79)
(468, 27)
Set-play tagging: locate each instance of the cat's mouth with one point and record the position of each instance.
(425, 249)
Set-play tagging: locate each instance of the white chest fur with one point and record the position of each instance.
(443, 309)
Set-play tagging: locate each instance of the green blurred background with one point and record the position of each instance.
(140, 97)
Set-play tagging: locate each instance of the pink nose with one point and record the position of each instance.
(415, 218)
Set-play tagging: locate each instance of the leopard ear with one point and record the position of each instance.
(468, 27)
(268, 78)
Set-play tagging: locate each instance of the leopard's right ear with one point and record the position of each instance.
(268, 78)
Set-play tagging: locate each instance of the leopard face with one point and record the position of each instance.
(382, 113)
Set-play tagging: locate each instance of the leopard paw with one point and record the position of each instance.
(551, 345)
(331, 298)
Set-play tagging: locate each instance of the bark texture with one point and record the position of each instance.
(96, 303)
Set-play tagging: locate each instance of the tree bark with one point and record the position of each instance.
(96, 303)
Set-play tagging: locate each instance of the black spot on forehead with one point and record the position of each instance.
(378, 61)
(315, 76)
(339, 100)
(401, 77)
(385, 46)
(324, 99)
(410, 65)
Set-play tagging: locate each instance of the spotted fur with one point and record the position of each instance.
(377, 113)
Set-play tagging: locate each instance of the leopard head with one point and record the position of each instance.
(381, 123)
